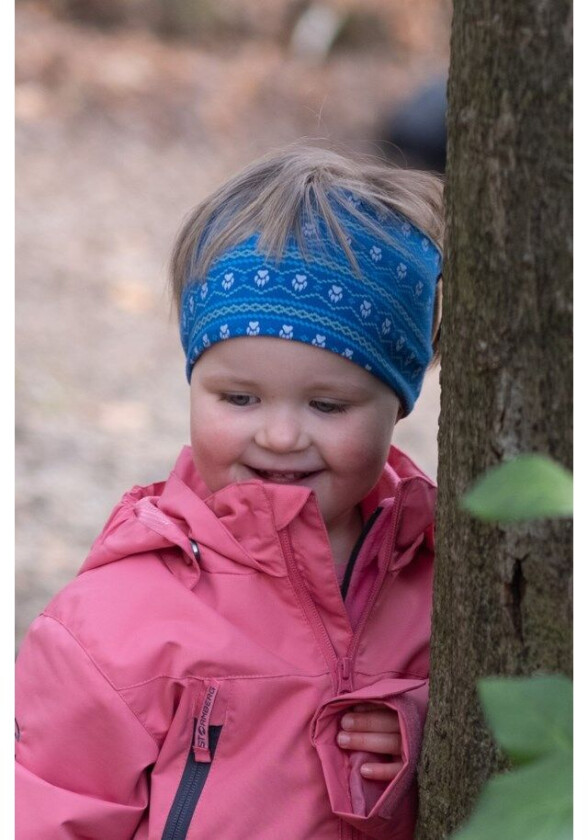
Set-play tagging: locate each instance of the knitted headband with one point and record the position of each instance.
(380, 318)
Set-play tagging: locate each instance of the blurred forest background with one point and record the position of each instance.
(127, 113)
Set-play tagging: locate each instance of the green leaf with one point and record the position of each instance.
(531, 803)
(530, 716)
(528, 487)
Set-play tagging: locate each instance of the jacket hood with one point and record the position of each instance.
(181, 511)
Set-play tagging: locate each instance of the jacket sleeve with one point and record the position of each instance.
(82, 754)
(381, 810)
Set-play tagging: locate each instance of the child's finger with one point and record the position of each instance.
(386, 743)
(383, 771)
(376, 720)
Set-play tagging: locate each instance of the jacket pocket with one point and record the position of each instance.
(386, 811)
(203, 746)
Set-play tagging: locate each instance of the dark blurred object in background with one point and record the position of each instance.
(415, 134)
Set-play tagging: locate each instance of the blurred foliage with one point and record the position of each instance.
(531, 486)
(531, 719)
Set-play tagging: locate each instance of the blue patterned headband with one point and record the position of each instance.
(381, 318)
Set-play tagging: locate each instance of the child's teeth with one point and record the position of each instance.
(279, 476)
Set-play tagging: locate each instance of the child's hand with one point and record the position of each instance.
(373, 729)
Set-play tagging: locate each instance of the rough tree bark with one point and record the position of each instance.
(502, 594)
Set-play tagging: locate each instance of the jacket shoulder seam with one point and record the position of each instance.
(104, 676)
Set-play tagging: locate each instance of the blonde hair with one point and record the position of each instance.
(275, 194)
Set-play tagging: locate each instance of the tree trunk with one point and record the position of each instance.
(502, 594)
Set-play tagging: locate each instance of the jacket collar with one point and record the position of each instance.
(182, 509)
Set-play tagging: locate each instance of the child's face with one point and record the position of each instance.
(289, 413)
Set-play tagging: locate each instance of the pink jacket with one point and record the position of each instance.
(189, 682)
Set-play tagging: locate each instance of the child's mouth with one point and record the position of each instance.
(282, 477)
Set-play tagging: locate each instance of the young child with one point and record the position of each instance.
(245, 651)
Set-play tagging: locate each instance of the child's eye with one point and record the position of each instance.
(327, 407)
(240, 400)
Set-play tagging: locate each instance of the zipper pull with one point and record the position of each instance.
(345, 682)
(201, 744)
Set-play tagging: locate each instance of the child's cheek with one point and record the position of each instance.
(215, 441)
(216, 447)
(366, 466)
(365, 449)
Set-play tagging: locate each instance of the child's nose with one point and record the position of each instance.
(282, 431)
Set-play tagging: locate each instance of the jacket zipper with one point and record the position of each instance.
(351, 653)
(341, 668)
(190, 789)
(350, 833)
